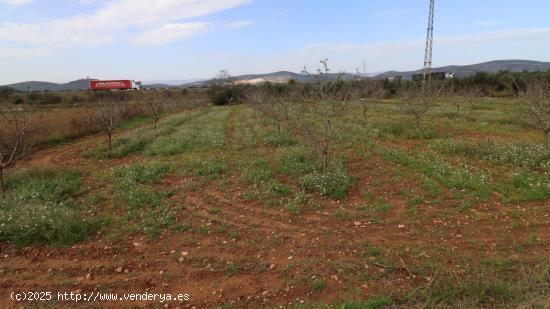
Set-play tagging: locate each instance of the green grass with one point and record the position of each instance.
(58, 140)
(297, 160)
(526, 186)
(370, 250)
(256, 171)
(318, 285)
(461, 178)
(335, 183)
(207, 167)
(298, 204)
(527, 155)
(375, 302)
(39, 208)
(203, 132)
(132, 184)
(484, 290)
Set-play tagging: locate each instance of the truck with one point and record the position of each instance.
(114, 85)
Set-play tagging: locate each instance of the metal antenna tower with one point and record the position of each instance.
(429, 45)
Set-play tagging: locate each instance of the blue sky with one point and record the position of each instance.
(62, 40)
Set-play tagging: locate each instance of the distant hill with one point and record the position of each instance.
(158, 86)
(489, 67)
(81, 84)
(274, 78)
(285, 76)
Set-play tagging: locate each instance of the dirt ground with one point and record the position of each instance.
(274, 257)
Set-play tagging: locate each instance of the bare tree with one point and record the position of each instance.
(370, 93)
(107, 115)
(14, 129)
(537, 97)
(310, 112)
(156, 107)
(472, 94)
(466, 95)
(417, 99)
(275, 102)
(326, 102)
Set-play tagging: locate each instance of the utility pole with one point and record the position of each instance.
(429, 46)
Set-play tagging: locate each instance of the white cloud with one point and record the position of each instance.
(116, 20)
(240, 24)
(21, 53)
(455, 42)
(16, 2)
(171, 32)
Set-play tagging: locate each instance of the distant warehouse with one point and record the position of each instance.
(435, 76)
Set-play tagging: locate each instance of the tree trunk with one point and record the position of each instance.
(325, 160)
(2, 187)
(418, 123)
(546, 133)
(156, 121)
(457, 109)
(110, 135)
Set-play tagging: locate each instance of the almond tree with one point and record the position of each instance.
(537, 97)
(323, 105)
(466, 95)
(417, 99)
(156, 108)
(107, 115)
(310, 112)
(472, 94)
(370, 93)
(14, 129)
(274, 102)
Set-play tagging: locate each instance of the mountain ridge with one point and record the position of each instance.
(513, 65)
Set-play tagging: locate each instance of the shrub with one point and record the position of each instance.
(44, 98)
(220, 95)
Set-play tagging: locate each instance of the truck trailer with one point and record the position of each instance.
(114, 85)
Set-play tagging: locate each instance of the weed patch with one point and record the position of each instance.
(334, 184)
(39, 208)
(131, 184)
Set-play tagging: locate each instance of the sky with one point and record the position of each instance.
(152, 40)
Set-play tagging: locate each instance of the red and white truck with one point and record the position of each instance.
(114, 85)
